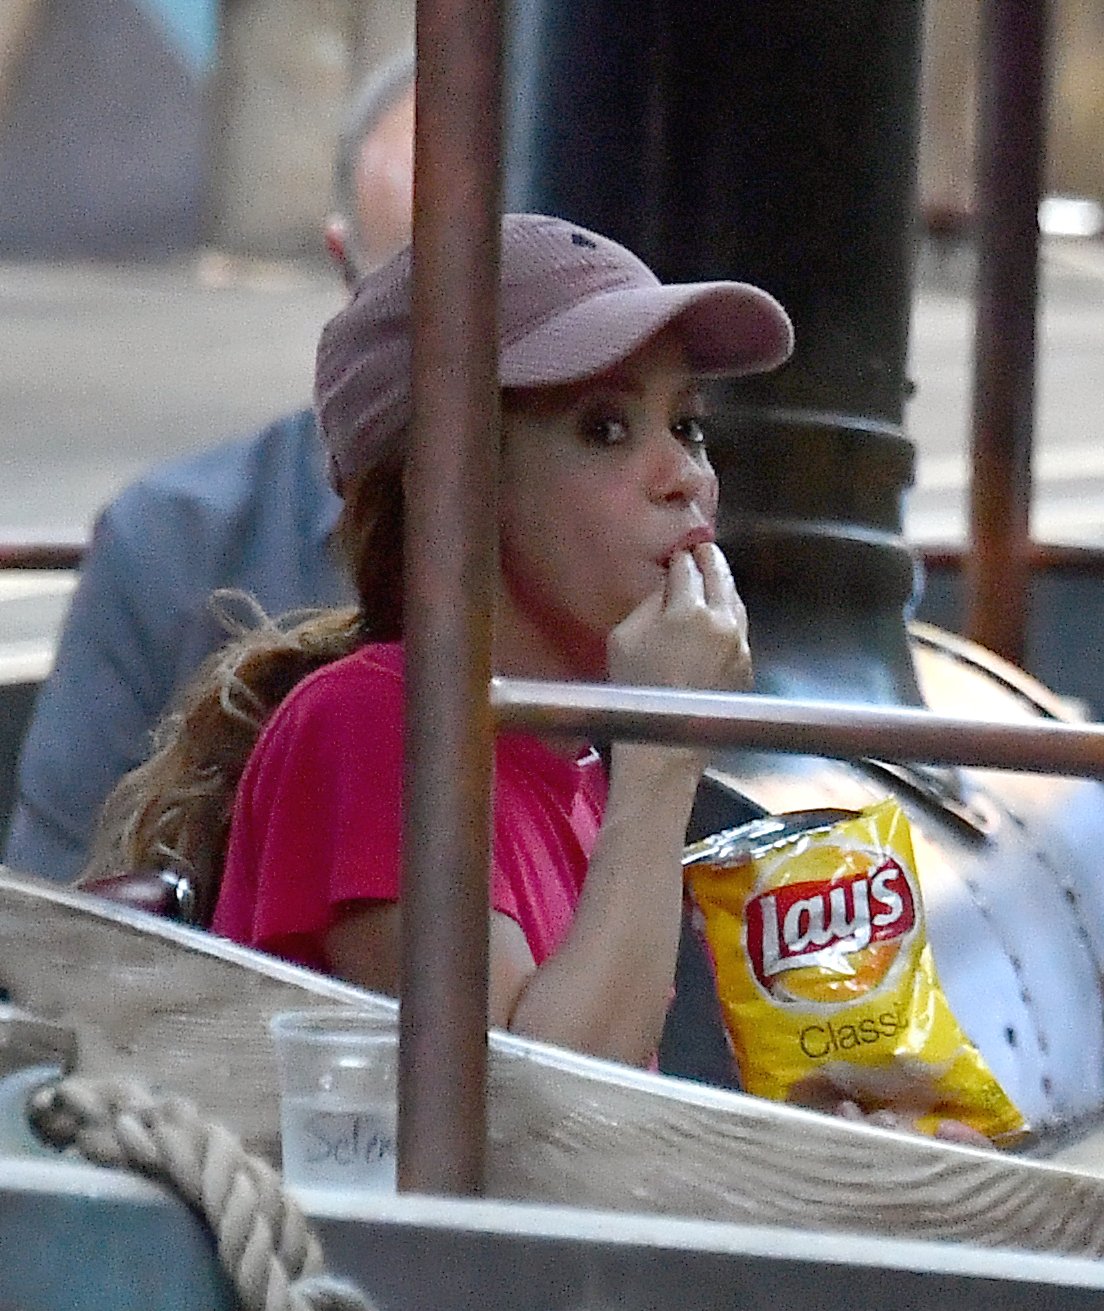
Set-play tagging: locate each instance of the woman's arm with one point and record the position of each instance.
(605, 990)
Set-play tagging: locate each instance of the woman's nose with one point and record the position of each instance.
(683, 474)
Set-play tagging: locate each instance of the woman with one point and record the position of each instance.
(607, 505)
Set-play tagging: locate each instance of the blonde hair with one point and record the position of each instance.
(174, 810)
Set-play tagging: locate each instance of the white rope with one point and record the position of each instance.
(264, 1243)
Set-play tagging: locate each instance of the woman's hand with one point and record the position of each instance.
(904, 1089)
(948, 1131)
(693, 633)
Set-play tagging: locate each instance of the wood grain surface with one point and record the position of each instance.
(188, 1013)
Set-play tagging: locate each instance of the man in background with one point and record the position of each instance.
(256, 514)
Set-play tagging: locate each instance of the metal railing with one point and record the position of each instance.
(41, 555)
(818, 728)
(1011, 122)
(450, 568)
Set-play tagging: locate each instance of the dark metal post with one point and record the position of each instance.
(1011, 130)
(449, 599)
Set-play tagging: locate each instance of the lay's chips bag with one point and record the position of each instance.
(825, 974)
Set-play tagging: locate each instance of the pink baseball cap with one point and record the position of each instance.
(572, 305)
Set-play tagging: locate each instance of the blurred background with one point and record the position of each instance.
(165, 167)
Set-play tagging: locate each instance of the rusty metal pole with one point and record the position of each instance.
(41, 555)
(1011, 132)
(823, 728)
(451, 531)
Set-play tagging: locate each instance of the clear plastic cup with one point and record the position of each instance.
(338, 1071)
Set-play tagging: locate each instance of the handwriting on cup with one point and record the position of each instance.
(346, 1138)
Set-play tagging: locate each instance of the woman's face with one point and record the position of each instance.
(601, 482)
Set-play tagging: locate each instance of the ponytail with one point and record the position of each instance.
(173, 811)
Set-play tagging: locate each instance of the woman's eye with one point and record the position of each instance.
(605, 430)
(690, 431)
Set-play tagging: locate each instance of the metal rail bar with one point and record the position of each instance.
(41, 555)
(818, 728)
(449, 544)
(1044, 558)
(1012, 108)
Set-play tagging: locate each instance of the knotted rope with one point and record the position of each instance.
(264, 1243)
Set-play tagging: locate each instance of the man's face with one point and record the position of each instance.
(384, 181)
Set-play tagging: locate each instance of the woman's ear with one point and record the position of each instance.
(335, 235)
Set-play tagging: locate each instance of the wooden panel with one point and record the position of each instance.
(188, 1012)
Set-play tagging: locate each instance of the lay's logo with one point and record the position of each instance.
(824, 923)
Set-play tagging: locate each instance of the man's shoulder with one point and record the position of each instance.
(254, 514)
(232, 473)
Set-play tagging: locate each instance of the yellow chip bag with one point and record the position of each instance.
(825, 973)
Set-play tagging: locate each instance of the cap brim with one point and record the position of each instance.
(728, 329)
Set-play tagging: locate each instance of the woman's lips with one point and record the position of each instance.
(687, 542)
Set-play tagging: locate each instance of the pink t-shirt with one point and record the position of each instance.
(317, 818)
